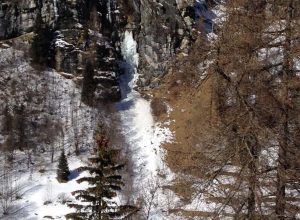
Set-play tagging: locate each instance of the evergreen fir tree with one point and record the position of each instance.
(63, 169)
(41, 45)
(88, 84)
(104, 181)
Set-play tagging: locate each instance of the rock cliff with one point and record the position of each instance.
(90, 31)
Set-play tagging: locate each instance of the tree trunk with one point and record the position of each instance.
(281, 175)
(52, 153)
(283, 145)
(252, 184)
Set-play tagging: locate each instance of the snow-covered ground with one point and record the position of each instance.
(145, 138)
(41, 195)
(142, 133)
(49, 98)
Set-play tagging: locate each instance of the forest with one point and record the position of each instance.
(150, 109)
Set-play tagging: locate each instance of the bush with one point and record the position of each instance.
(63, 171)
(41, 45)
(158, 107)
(63, 198)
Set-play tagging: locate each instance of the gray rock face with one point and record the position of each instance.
(88, 31)
(164, 28)
(84, 31)
(39, 109)
(160, 31)
(19, 17)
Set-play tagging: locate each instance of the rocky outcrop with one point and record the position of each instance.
(83, 31)
(164, 29)
(19, 17)
(89, 31)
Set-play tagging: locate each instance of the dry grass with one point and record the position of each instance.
(182, 189)
(158, 107)
(193, 114)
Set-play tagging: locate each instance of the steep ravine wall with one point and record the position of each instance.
(78, 33)
(161, 28)
(82, 56)
(164, 29)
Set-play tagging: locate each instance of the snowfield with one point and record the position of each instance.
(143, 134)
(43, 195)
(34, 182)
(145, 138)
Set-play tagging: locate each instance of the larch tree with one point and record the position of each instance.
(243, 108)
(256, 71)
(284, 19)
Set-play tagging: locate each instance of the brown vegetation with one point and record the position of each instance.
(234, 117)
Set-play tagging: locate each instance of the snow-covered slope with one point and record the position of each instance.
(42, 196)
(144, 137)
(55, 118)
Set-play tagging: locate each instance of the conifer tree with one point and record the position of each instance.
(41, 44)
(285, 38)
(96, 202)
(88, 84)
(63, 169)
